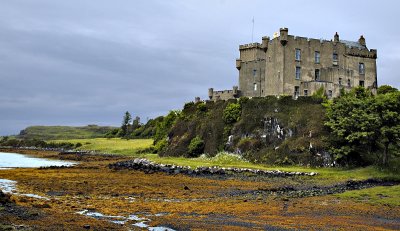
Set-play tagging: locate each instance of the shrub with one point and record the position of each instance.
(188, 105)
(248, 144)
(201, 107)
(232, 113)
(196, 147)
(160, 146)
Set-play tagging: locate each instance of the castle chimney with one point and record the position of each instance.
(361, 40)
(336, 37)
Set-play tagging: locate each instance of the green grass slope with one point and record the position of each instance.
(63, 132)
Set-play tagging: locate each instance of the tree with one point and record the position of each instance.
(386, 89)
(387, 107)
(126, 123)
(136, 123)
(353, 125)
(363, 124)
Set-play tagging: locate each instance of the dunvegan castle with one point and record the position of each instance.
(299, 66)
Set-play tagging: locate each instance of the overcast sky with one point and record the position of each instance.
(79, 62)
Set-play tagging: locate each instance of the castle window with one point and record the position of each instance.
(254, 72)
(317, 57)
(335, 59)
(298, 55)
(361, 83)
(305, 92)
(298, 72)
(361, 68)
(255, 87)
(296, 91)
(330, 94)
(317, 75)
(340, 81)
(348, 83)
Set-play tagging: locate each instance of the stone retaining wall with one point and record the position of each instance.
(151, 167)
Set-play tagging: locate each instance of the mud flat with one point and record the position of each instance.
(91, 196)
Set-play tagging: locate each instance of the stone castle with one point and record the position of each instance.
(299, 66)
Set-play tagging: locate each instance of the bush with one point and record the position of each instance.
(232, 113)
(224, 158)
(196, 147)
(247, 144)
(160, 146)
(201, 107)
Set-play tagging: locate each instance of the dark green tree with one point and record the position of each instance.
(136, 123)
(126, 123)
(353, 125)
(386, 89)
(363, 124)
(387, 107)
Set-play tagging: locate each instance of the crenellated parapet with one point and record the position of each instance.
(250, 46)
(365, 53)
(224, 94)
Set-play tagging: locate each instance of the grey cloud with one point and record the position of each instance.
(80, 62)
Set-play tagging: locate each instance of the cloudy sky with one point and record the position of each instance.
(80, 62)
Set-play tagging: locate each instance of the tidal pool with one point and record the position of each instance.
(15, 160)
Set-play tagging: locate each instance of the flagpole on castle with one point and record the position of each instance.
(252, 31)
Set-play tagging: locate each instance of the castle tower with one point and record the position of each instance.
(235, 90)
(210, 92)
(283, 35)
(265, 41)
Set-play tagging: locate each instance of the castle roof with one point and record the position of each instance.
(354, 44)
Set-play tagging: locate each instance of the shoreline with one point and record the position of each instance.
(184, 202)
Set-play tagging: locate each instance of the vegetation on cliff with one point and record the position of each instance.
(358, 128)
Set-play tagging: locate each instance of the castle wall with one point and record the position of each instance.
(223, 95)
(270, 68)
(281, 66)
(252, 78)
(274, 68)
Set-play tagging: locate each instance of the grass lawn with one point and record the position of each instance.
(328, 175)
(130, 148)
(111, 145)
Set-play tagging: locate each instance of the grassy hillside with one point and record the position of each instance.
(63, 132)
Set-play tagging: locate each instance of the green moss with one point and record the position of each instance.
(384, 195)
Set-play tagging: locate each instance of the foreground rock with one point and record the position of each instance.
(5, 198)
(151, 167)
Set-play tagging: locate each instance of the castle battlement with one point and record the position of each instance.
(250, 46)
